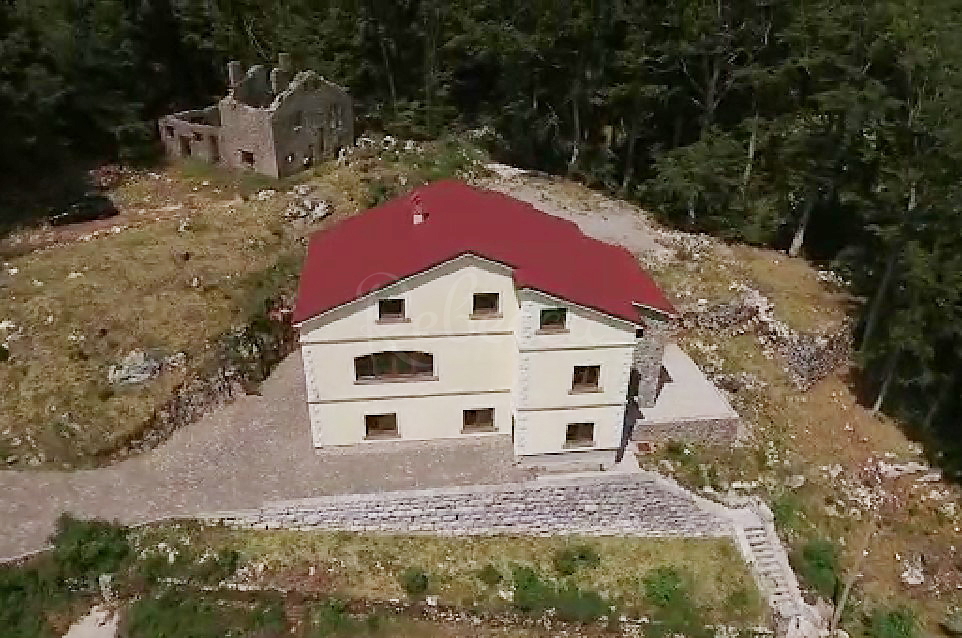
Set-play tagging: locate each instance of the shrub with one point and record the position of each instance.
(818, 566)
(489, 575)
(27, 594)
(85, 549)
(676, 612)
(330, 618)
(896, 623)
(4, 353)
(531, 594)
(570, 559)
(663, 587)
(576, 605)
(181, 613)
(787, 510)
(414, 581)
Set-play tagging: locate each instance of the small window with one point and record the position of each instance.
(390, 310)
(481, 420)
(585, 378)
(554, 319)
(486, 304)
(247, 158)
(580, 435)
(198, 137)
(380, 426)
(169, 130)
(639, 333)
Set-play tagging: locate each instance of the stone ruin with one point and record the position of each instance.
(275, 123)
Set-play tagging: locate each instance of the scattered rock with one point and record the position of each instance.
(795, 481)
(913, 574)
(264, 195)
(136, 367)
(309, 209)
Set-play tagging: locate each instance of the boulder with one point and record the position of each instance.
(136, 367)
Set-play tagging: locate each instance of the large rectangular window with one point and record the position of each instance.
(478, 420)
(390, 310)
(486, 304)
(388, 366)
(554, 320)
(580, 435)
(380, 426)
(585, 378)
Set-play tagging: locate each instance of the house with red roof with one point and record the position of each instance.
(461, 312)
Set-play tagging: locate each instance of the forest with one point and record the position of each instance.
(829, 129)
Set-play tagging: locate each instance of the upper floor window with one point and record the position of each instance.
(585, 378)
(554, 319)
(486, 304)
(389, 366)
(390, 310)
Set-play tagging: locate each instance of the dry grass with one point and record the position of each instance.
(369, 566)
(806, 432)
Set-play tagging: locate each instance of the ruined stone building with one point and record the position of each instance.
(275, 123)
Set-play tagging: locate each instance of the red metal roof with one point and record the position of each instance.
(546, 253)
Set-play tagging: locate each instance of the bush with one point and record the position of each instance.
(676, 613)
(896, 623)
(576, 605)
(787, 511)
(489, 575)
(85, 549)
(4, 353)
(27, 594)
(330, 618)
(180, 613)
(414, 581)
(818, 566)
(531, 594)
(570, 559)
(664, 587)
(534, 596)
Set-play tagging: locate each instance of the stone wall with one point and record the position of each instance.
(192, 134)
(649, 351)
(596, 504)
(723, 431)
(312, 119)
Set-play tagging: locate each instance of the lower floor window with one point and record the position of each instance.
(480, 420)
(380, 426)
(580, 435)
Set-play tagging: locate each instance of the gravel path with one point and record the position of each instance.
(254, 450)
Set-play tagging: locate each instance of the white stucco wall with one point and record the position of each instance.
(475, 360)
(544, 400)
(501, 363)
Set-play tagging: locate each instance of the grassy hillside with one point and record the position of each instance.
(192, 258)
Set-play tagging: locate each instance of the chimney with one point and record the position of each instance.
(234, 73)
(419, 216)
(283, 74)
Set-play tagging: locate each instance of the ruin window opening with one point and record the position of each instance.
(169, 130)
(247, 158)
(198, 137)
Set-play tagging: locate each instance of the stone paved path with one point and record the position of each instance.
(254, 450)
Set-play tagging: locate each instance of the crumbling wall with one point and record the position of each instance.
(710, 431)
(247, 138)
(194, 133)
(312, 119)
